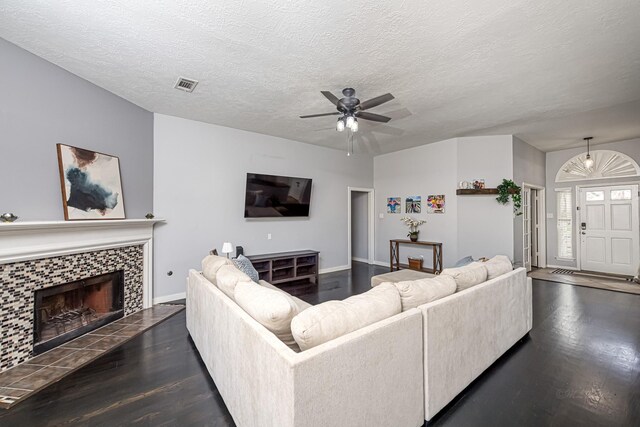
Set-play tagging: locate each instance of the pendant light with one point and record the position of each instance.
(340, 125)
(588, 162)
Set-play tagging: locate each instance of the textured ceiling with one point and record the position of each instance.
(548, 71)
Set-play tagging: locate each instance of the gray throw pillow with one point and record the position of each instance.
(243, 264)
(464, 261)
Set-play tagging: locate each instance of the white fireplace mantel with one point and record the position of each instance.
(23, 241)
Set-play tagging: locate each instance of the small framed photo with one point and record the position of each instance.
(478, 184)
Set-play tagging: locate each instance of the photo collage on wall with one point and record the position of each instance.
(413, 204)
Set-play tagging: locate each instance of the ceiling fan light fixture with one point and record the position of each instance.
(340, 125)
(350, 120)
(354, 126)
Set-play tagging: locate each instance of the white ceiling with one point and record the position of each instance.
(548, 71)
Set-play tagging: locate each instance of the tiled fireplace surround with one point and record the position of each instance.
(34, 256)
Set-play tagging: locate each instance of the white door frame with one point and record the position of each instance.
(578, 247)
(371, 229)
(542, 219)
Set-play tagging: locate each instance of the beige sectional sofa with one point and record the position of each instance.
(397, 371)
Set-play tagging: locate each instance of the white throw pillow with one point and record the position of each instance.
(497, 266)
(467, 276)
(228, 277)
(210, 266)
(332, 319)
(273, 309)
(414, 293)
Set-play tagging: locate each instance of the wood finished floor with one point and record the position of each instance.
(580, 366)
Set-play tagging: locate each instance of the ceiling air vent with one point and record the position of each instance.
(186, 85)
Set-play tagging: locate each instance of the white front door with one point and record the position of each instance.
(526, 227)
(609, 231)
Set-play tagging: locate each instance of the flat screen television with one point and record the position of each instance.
(270, 196)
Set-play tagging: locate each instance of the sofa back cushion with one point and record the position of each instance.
(414, 293)
(497, 266)
(273, 309)
(243, 264)
(228, 277)
(467, 276)
(332, 319)
(211, 264)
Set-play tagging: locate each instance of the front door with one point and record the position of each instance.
(609, 230)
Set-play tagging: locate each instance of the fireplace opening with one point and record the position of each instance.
(66, 311)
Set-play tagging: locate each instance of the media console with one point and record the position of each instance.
(284, 268)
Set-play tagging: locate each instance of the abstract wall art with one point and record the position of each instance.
(91, 184)
(435, 204)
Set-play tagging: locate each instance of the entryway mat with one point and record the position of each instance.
(589, 280)
(25, 379)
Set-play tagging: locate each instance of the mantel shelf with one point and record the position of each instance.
(472, 192)
(53, 225)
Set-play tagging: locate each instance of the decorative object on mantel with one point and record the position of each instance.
(90, 183)
(509, 188)
(478, 184)
(435, 204)
(413, 204)
(8, 217)
(227, 248)
(413, 225)
(465, 185)
(149, 216)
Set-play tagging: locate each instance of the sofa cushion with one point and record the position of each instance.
(302, 305)
(211, 264)
(332, 319)
(228, 277)
(467, 276)
(243, 264)
(497, 266)
(273, 309)
(414, 293)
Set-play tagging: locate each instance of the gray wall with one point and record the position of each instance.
(359, 225)
(529, 166)
(555, 160)
(41, 105)
(200, 174)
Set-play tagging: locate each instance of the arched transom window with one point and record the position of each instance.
(606, 164)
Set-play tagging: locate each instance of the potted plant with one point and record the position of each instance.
(413, 225)
(509, 188)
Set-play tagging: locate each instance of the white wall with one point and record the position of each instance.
(555, 160)
(485, 227)
(360, 225)
(419, 171)
(200, 171)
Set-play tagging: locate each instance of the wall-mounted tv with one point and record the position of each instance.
(269, 196)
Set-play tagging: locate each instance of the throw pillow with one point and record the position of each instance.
(467, 276)
(228, 277)
(272, 309)
(464, 261)
(211, 264)
(332, 319)
(414, 293)
(497, 266)
(244, 264)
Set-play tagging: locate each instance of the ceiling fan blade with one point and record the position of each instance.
(320, 115)
(374, 102)
(331, 97)
(371, 116)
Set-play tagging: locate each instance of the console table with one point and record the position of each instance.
(284, 268)
(394, 254)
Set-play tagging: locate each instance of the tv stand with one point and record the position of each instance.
(287, 268)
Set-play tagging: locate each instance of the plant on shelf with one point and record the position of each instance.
(413, 225)
(509, 188)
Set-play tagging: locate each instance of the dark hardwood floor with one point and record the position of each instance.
(579, 366)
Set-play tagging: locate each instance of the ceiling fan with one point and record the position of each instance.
(350, 109)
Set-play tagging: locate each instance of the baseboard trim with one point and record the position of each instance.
(333, 269)
(563, 266)
(381, 263)
(366, 261)
(167, 298)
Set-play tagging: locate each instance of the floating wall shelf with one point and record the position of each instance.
(471, 192)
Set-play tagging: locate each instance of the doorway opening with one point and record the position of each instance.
(534, 246)
(360, 220)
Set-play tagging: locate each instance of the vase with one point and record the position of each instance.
(413, 236)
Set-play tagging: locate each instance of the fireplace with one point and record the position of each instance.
(66, 311)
